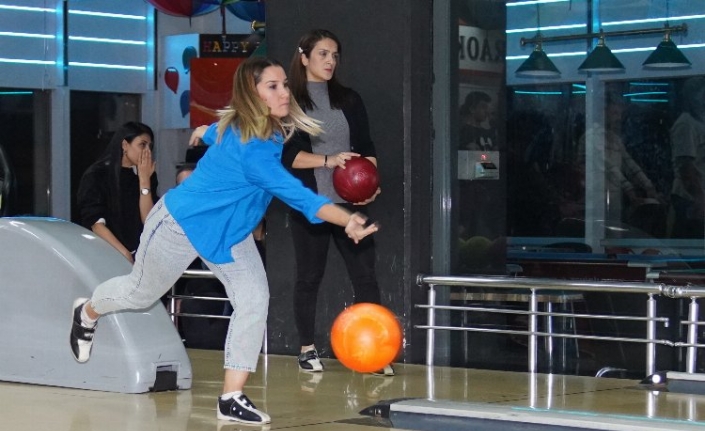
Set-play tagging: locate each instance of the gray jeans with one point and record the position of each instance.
(163, 255)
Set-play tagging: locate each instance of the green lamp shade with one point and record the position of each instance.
(538, 65)
(666, 56)
(601, 60)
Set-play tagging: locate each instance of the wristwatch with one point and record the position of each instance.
(144, 191)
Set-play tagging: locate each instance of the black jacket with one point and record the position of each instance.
(360, 141)
(94, 201)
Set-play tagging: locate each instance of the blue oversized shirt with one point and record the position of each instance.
(227, 195)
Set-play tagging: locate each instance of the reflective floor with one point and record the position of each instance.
(332, 400)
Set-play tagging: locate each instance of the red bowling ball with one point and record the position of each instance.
(358, 181)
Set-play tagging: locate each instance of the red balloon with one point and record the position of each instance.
(358, 181)
(366, 337)
(171, 78)
(185, 8)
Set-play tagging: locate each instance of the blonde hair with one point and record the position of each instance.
(248, 112)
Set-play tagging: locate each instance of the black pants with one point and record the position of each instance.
(311, 243)
(686, 224)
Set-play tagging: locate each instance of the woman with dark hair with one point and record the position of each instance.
(211, 215)
(312, 159)
(118, 190)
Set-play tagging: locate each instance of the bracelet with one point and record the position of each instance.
(325, 161)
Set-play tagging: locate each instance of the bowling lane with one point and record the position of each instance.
(330, 400)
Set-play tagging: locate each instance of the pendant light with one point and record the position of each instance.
(601, 60)
(538, 65)
(666, 56)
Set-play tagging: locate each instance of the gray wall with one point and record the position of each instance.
(387, 47)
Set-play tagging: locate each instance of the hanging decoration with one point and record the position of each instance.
(248, 10)
(186, 57)
(185, 8)
(185, 103)
(171, 79)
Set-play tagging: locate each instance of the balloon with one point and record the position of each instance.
(185, 102)
(247, 10)
(171, 77)
(185, 8)
(188, 54)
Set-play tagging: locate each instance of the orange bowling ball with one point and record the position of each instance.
(365, 337)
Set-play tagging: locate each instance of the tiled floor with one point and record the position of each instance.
(332, 400)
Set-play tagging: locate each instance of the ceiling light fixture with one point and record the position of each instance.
(601, 59)
(538, 65)
(666, 56)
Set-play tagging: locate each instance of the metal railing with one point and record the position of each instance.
(533, 288)
(173, 297)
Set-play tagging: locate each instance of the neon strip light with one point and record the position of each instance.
(527, 3)
(24, 61)
(545, 93)
(650, 84)
(30, 35)
(647, 20)
(644, 93)
(650, 48)
(548, 28)
(27, 8)
(623, 50)
(104, 40)
(559, 54)
(692, 45)
(15, 93)
(650, 100)
(106, 15)
(106, 66)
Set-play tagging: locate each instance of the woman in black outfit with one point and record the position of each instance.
(312, 159)
(118, 190)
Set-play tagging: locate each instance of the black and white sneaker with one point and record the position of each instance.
(81, 336)
(374, 385)
(387, 371)
(309, 361)
(239, 408)
(309, 381)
